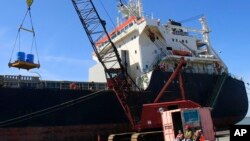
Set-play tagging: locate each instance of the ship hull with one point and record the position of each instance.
(201, 87)
(101, 114)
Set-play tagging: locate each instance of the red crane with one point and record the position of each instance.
(117, 76)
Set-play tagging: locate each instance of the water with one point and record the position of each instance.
(245, 121)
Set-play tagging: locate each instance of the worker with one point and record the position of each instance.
(188, 133)
(163, 66)
(197, 135)
(201, 136)
(179, 136)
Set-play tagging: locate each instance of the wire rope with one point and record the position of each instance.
(49, 110)
(18, 36)
(107, 14)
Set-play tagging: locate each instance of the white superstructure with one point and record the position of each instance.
(148, 44)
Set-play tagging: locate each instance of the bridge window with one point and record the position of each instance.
(126, 27)
(131, 24)
(112, 37)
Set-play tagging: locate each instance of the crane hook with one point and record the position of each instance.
(29, 3)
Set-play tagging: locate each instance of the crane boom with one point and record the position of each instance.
(95, 29)
(108, 56)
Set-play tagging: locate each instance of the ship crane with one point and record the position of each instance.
(117, 76)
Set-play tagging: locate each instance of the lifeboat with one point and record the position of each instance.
(181, 53)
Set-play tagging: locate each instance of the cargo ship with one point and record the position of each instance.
(37, 110)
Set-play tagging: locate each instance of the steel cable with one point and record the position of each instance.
(49, 110)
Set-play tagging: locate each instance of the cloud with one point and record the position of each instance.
(71, 61)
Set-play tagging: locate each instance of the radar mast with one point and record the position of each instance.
(132, 8)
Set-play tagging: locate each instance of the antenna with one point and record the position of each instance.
(132, 8)
(140, 8)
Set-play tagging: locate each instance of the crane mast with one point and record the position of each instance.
(117, 77)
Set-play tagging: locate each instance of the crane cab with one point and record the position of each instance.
(196, 118)
(115, 77)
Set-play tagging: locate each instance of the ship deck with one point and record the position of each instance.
(18, 81)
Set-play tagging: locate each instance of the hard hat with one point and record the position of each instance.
(187, 126)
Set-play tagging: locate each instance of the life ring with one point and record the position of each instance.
(73, 86)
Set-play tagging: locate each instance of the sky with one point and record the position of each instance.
(64, 51)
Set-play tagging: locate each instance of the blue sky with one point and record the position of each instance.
(65, 52)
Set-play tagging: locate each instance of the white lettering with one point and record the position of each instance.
(243, 131)
(240, 132)
(237, 132)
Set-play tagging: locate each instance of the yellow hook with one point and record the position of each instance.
(29, 3)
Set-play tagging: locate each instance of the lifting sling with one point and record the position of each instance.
(25, 61)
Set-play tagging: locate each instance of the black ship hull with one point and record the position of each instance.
(67, 115)
(209, 90)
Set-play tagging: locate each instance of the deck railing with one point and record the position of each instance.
(33, 82)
